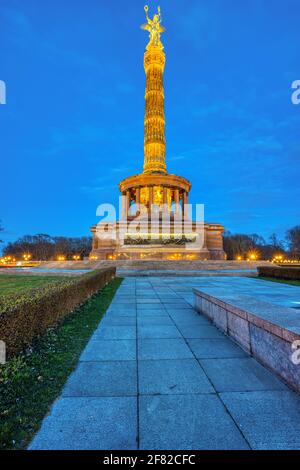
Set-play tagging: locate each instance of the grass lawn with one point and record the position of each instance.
(16, 283)
(282, 281)
(30, 382)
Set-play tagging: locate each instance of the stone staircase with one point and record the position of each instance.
(146, 268)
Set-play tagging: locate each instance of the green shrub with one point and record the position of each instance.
(278, 272)
(26, 316)
(31, 381)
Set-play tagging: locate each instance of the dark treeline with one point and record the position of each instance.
(44, 247)
(241, 245)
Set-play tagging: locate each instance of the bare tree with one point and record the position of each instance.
(241, 245)
(293, 240)
(1, 230)
(276, 243)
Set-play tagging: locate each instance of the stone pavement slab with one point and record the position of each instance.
(158, 331)
(168, 297)
(142, 306)
(158, 312)
(115, 332)
(269, 420)
(163, 349)
(240, 374)
(176, 305)
(96, 379)
(89, 424)
(215, 348)
(157, 320)
(171, 377)
(195, 320)
(187, 422)
(113, 320)
(201, 332)
(109, 350)
(182, 313)
(121, 311)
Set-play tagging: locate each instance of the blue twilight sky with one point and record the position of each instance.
(72, 127)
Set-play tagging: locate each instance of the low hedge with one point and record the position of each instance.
(26, 316)
(278, 272)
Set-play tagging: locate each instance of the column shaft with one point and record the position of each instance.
(127, 202)
(124, 206)
(185, 205)
(150, 198)
(137, 196)
(154, 122)
(177, 201)
(138, 199)
(165, 199)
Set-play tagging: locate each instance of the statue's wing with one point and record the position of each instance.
(162, 29)
(146, 27)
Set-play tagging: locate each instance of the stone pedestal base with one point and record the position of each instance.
(112, 241)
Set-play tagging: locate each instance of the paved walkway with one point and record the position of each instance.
(157, 375)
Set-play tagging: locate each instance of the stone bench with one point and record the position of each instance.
(264, 330)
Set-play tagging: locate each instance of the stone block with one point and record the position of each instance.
(238, 328)
(276, 354)
(219, 317)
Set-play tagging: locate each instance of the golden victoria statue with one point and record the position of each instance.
(154, 27)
